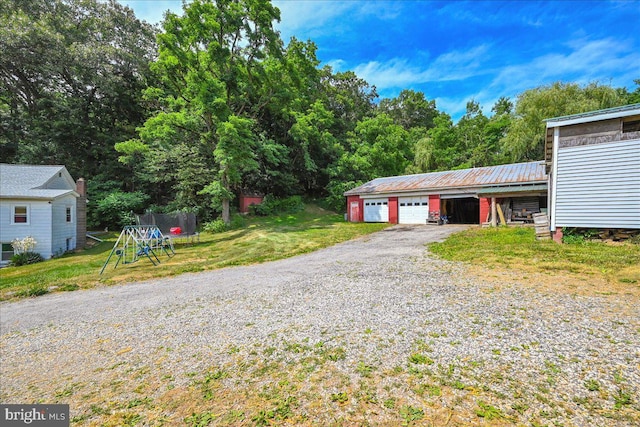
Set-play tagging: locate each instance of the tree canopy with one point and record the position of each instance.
(214, 103)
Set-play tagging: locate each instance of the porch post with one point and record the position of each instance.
(494, 213)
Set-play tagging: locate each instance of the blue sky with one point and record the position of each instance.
(455, 51)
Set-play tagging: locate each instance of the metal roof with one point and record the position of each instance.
(514, 189)
(34, 182)
(591, 116)
(491, 176)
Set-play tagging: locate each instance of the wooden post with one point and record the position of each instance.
(501, 216)
(494, 213)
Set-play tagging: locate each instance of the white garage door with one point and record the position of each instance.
(376, 210)
(413, 210)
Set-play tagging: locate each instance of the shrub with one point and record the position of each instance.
(237, 221)
(215, 226)
(24, 245)
(336, 189)
(25, 258)
(116, 208)
(218, 225)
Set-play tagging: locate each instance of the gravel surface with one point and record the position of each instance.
(538, 357)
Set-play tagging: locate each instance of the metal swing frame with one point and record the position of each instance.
(140, 241)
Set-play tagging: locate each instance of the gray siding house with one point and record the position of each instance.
(593, 162)
(45, 203)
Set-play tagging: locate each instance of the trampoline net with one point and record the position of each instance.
(165, 222)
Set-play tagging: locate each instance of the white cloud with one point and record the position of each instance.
(587, 60)
(310, 17)
(400, 72)
(317, 17)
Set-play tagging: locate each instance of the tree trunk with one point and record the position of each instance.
(226, 217)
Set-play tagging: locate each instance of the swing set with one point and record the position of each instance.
(140, 241)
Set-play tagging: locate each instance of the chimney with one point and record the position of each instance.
(81, 214)
(81, 187)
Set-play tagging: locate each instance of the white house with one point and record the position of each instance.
(42, 202)
(593, 162)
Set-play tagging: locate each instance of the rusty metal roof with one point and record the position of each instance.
(518, 173)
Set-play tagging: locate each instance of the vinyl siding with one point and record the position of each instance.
(598, 186)
(39, 226)
(61, 229)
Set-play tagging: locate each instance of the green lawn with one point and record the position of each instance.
(261, 239)
(515, 248)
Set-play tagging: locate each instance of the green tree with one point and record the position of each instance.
(524, 140)
(471, 144)
(632, 97)
(350, 99)
(410, 109)
(212, 65)
(317, 148)
(382, 148)
(437, 150)
(70, 86)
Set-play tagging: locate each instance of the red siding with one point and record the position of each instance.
(485, 208)
(246, 201)
(434, 203)
(393, 210)
(357, 213)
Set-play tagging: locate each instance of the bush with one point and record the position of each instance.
(335, 200)
(215, 226)
(218, 225)
(115, 209)
(25, 258)
(273, 206)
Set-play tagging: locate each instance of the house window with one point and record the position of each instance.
(68, 214)
(20, 214)
(7, 251)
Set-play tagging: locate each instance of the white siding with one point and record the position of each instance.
(39, 226)
(598, 186)
(61, 229)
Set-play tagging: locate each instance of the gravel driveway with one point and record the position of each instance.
(372, 331)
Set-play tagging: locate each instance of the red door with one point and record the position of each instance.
(354, 212)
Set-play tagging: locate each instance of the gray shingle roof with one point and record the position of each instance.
(513, 174)
(34, 182)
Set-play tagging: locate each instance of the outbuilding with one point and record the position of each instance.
(461, 196)
(593, 162)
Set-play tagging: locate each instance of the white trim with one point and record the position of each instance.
(13, 213)
(554, 176)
